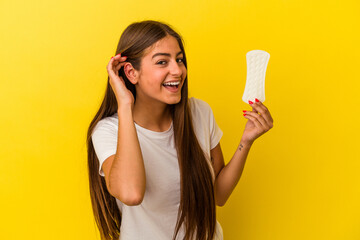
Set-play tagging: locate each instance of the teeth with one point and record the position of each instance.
(171, 83)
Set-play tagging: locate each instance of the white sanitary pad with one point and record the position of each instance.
(257, 61)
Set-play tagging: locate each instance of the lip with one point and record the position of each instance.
(173, 81)
(175, 90)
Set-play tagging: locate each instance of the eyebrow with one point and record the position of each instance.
(165, 54)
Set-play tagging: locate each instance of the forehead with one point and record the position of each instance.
(168, 44)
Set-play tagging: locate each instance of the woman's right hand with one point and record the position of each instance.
(123, 95)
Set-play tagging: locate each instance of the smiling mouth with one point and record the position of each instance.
(172, 86)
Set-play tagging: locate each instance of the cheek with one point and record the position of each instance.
(155, 79)
(184, 73)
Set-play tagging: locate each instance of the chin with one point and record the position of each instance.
(174, 100)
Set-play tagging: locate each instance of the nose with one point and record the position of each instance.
(176, 68)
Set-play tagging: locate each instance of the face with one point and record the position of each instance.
(162, 73)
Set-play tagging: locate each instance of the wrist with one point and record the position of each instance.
(246, 143)
(124, 108)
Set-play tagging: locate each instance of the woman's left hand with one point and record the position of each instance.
(259, 122)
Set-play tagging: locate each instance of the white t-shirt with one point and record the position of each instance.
(155, 218)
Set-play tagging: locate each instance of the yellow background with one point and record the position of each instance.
(301, 179)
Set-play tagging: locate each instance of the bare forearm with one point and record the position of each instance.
(127, 173)
(229, 176)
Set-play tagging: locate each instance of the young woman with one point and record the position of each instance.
(156, 169)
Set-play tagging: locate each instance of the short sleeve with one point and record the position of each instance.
(215, 131)
(104, 138)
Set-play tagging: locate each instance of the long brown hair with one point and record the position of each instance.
(197, 209)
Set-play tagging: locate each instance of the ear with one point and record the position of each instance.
(131, 73)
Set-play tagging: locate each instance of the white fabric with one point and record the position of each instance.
(155, 218)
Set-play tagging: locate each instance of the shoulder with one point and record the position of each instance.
(109, 123)
(200, 110)
(197, 104)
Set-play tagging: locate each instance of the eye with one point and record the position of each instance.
(161, 62)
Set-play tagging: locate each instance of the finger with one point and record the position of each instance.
(110, 69)
(120, 65)
(118, 61)
(260, 104)
(263, 110)
(260, 119)
(119, 56)
(254, 120)
(253, 109)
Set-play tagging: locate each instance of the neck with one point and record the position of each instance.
(154, 116)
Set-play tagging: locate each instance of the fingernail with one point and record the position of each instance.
(244, 114)
(250, 102)
(111, 57)
(244, 111)
(257, 100)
